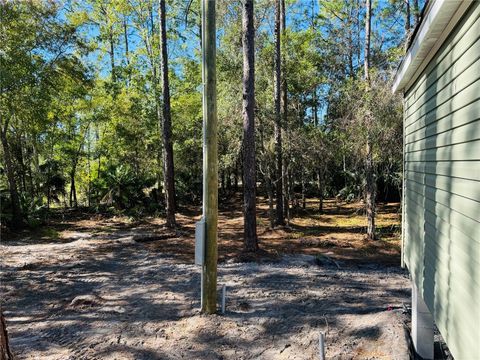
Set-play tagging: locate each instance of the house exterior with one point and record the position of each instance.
(440, 80)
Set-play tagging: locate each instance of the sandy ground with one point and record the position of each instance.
(107, 296)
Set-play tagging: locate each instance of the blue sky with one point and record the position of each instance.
(299, 14)
(190, 46)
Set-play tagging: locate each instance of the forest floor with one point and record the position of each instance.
(95, 287)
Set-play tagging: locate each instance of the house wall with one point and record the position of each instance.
(441, 245)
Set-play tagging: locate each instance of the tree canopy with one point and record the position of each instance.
(83, 88)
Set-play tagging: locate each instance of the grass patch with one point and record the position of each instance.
(48, 233)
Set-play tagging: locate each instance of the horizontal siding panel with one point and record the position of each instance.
(457, 61)
(416, 225)
(460, 304)
(465, 151)
(457, 35)
(448, 299)
(455, 67)
(469, 189)
(463, 98)
(435, 226)
(452, 326)
(461, 117)
(461, 82)
(445, 283)
(462, 242)
(463, 114)
(451, 258)
(414, 235)
(461, 169)
(414, 253)
(435, 211)
(465, 133)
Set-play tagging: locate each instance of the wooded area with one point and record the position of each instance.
(107, 109)
(101, 105)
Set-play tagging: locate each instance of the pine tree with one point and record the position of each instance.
(249, 177)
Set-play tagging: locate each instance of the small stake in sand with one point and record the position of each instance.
(224, 293)
(321, 346)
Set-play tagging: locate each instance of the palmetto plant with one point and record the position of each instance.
(123, 188)
(53, 181)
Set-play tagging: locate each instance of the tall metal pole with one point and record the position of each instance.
(210, 157)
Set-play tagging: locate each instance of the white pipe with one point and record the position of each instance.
(224, 293)
(321, 346)
(202, 271)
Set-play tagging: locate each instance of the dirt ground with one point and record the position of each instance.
(92, 287)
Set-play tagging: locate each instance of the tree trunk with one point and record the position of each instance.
(17, 215)
(89, 170)
(5, 353)
(235, 178)
(283, 52)
(286, 191)
(271, 214)
(249, 176)
(285, 125)
(320, 192)
(112, 55)
(407, 16)
(99, 159)
(370, 193)
(159, 172)
(49, 187)
(222, 182)
(73, 190)
(293, 195)
(407, 23)
(127, 52)
(33, 187)
(36, 166)
(229, 182)
(416, 12)
(304, 200)
(358, 22)
(368, 21)
(283, 71)
(168, 173)
(314, 92)
(369, 175)
(351, 50)
(125, 37)
(278, 129)
(21, 162)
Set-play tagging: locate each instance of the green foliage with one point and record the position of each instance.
(52, 180)
(5, 207)
(122, 188)
(81, 113)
